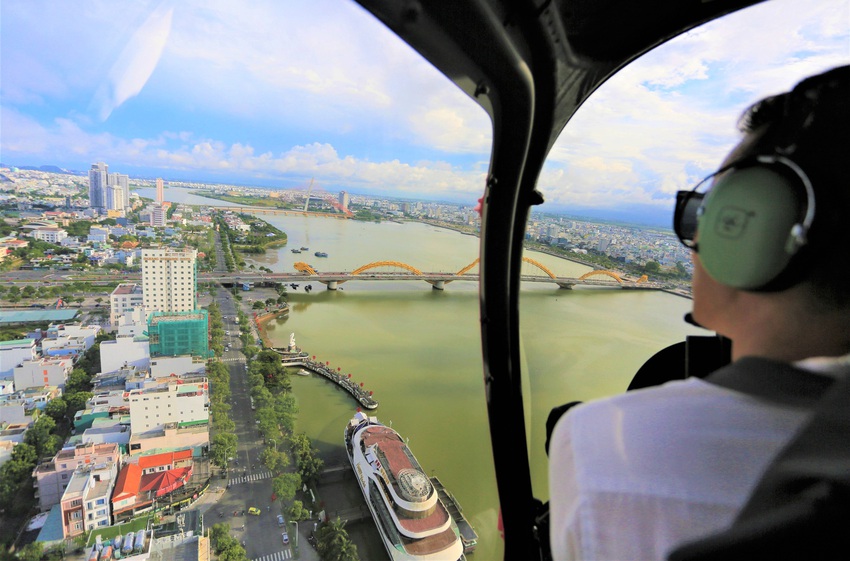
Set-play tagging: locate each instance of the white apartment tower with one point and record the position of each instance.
(159, 216)
(169, 279)
(160, 196)
(108, 191)
(121, 185)
(98, 175)
(344, 199)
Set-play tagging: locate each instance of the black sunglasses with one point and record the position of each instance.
(688, 204)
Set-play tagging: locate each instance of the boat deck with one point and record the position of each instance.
(467, 533)
(395, 458)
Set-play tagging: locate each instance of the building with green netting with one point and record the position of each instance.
(179, 333)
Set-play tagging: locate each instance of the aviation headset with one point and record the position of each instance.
(754, 223)
(751, 224)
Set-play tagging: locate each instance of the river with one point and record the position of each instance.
(419, 349)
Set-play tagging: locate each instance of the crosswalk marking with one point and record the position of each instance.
(265, 474)
(279, 556)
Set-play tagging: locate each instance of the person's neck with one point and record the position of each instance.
(790, 333)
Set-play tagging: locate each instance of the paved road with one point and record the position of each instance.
(250, 482)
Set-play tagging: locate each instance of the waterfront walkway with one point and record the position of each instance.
(299, 358)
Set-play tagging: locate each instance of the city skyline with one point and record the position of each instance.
(274, 94)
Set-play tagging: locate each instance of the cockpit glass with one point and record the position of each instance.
(329, 179)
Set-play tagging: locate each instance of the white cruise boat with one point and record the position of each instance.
(412, 520)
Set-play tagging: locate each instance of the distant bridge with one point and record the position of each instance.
(305, 273)
(369, 272)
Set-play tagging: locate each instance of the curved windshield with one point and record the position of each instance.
(322, 178)
(268, 210)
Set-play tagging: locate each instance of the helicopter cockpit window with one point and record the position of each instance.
(311, 120)
(660, 125)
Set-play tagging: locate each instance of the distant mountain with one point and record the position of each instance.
(49, 169)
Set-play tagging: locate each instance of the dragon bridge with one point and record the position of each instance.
(439, 282)
(529, 260)
(614, 276)
(376, 264)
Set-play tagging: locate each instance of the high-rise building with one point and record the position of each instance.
(344, 200)
(114, 198)
(160, 196)
(108, 191)
(159, 216)
(169, 279)
(123, 183)
(98, 178)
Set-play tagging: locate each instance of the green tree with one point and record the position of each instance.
(31, 552)
(219, 534)
(275, 460)
(285, 486)
(333, 543)
(24, 453)
(76, 402)
(40, 437)
(652, 267)
(56, 409)
(297, 511)
(250, 351)
(223, 444)
(310, 467)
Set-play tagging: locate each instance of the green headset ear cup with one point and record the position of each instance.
(744, 230)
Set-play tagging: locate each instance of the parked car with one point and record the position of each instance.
(254, 510)
(280, 520)
(285, 537)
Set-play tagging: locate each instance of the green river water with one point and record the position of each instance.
(418, 349)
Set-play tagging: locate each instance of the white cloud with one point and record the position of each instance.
(284, 88)
(136, 63)
(668, 119)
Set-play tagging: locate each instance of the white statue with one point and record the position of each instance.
(292, 341)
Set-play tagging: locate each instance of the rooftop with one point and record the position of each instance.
(17, 343)
(36, 316)
(127, 288)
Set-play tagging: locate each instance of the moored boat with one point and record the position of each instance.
(411, 519)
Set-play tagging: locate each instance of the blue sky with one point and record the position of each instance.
(276, 92)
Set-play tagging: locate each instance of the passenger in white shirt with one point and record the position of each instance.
(633, 476)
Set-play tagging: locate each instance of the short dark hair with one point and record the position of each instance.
(811, 125)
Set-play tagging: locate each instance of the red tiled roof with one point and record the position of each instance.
(166, 481)
(165, 459)
(128, 482)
